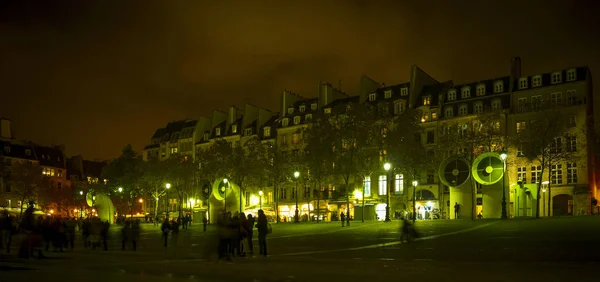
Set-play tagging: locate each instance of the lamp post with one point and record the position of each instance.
(142, 205)
(296, 175)
(503, 156)
(544, 189)
(81, 206)
(387, 167)
(168, 186)
(224, 189)
(260, 195)
(415, 184)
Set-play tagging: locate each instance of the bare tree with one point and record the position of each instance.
(246, 163)
(212, 164)
(27, 181)
(279, 167)
(153, 179)
(125, 172)
(180, 174)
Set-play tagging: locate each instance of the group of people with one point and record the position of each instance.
(237, 231)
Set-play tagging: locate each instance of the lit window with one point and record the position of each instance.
(295, 138)
(248, 131)
(372, 96)
(536, 174)
(537, 81)
(218, 131)
(284, 122)
(481, 90)
(404, 91)
(462, 110)
(449, 112)
(523, 83)
(308, 117)
(572, 75)
(234, 129)
(399, 185)
(206, 136)
(478, 108)
(388, 94)
(382, 185)
(290, 110)
(556, 77)
(521, 125)
(327, 111)
(465, 93)
(556, 174)
(522, 174)
(302, 108)
(367, 186)
(496, 104)
(433, 116)
(451, 95)
(426, 101)
(266, 131)
(313, 106)
(297, 120)
(498, 87)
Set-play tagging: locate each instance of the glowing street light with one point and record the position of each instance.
(141, 200)
(81, 193)
(260, 195)
(168, 185)
(415, 184)
(387, 167)
(544, 189)
(120, 189)
(503, 156)
(296, 217)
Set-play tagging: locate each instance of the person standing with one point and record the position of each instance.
(456, 210)
(263, 229)
(204, 223)
(250, 234)
(343, 218)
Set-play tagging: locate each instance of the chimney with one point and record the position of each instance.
(232, 114)
(5, 130)
(515, 67)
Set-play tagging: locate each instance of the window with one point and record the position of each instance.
(463, 130)
(426, 101)
(404, 91)
(388, 94)
(308, 117)
(173, 150)
(451, 95)
(449, 112)
(478, 108)
(290, 110)
(372, 96)
(571, 143)
(367, 185)
(498, 87)
(218, 131)
(556, 175)
(7, 149)
(433, 116)
(269, 198)
(399, 107)
(248, 131)
(556, 145)
(571, 98)
(523, 83)
(327, 111)
(521, 125)
(382, 155)
(382, 185)
(302, 108)
(234, 128)
(313, 106)
(296, 138)
(556, 98)
(465, 93)
(285, 122)
(520, 151)
(267, 132)
(481, 90)
(283, 140)
(522, 105)
(556, 77)
(522, 174)
(572, 75)
(536, 102)
(425, 117)
(27, 152)
(430, 137)
(462, 110)
(282, 193)
(297, 120)
(571, 173)
(536, 173)
(399, 185)
(206, 135)
(537, 81)
(496, 104)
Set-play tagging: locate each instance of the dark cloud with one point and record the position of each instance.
(96, 75)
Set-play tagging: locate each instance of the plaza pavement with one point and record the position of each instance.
(449, 250)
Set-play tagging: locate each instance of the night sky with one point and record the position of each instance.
(96, 75)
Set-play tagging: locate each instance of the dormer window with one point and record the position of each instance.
(234, 129)
(290, 110)
(302, 108)
(462, 110)
(496, 104)
(218, 131)
(285, 122)
(556, 77)
(478, 107)
(206, 136)
(313, 106)
(7, 149)
(523, 83)
(372, 96)
(296, 120)
(388, 94)
(404, 91)
(498, 87)
(452, 95)
(267, 131)
(28, 152)
(426, 101)
(481, 90)
(327, 111)
(537, 81)
(248, 131)
(465, 93)
(449, 112)
(308, 117)
(572, 75)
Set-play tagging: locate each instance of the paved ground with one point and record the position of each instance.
(536, 250)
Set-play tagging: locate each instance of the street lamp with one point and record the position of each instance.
(168, 186)
(224, 189)
(260, 195)
(544, 189)
(296, 175)
(503, 156)
(81, 207)
(120, 189)
(387, 167)
(415, 184)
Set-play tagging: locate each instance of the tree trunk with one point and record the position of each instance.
(241, 198)
(276, 193)
(22, 203)
(347, 203)
(550, 200)
(155, 208)
(363, 203)
(539, 189)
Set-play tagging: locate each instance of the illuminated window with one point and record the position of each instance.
(433, 116)
(399, 185)
(388, 94)
(234, 128)
(522, 174)
(523, 83)
(537, 81)
(327, 111)
(426, 101)
(451, 95)
(572, 75)
(296, 138)
(372, 96)
(218, 131)
(267, 132)
(465, 92)
(404, 91)
(313, 106)
(521, 125)
(302, 108)
(556, 77)
(382, 185)
(536, 174)
(297, 120)
(367, 185)
(285, 122)
(556, 174)
(481, 90)
(498, 87)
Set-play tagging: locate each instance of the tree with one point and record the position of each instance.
(62, 198)
(350, 134)
(541, 141)
(153, 179)
(125, 172)
(212, 164)
(180, 172)
(27, 181)
(246, 164)
(278, 170)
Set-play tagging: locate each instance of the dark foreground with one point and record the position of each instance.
(459, 250)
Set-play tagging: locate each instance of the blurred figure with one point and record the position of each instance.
(135, 233)
(204, 223)
(408, 231)
(104, 234)
(125, 234)
(165, 227)
(6, 230)
(263, 229)
(224, 237)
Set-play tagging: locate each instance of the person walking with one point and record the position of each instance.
(263, 229)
